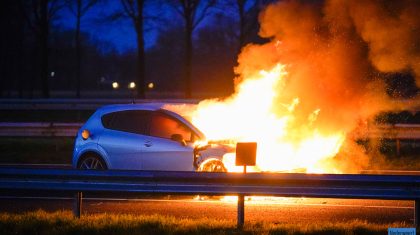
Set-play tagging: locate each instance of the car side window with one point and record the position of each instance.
(163, 126)
(107, 119)
(133, 121)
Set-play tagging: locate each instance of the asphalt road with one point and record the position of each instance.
(275, 210)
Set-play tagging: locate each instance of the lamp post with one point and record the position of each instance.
(131, 87)
(115, 85)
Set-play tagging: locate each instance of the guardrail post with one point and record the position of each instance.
(241, 211)
(77, 207)
(416, 213)
(398, 147)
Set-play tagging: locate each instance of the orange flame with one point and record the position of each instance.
(251, 114)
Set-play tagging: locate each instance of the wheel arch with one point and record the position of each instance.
(91, 154)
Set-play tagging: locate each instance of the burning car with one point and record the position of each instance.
(144, 137)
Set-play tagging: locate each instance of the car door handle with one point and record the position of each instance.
(148, 143)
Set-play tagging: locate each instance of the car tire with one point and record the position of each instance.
(212, 165)
(91, 162)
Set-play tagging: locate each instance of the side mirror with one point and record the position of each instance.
(178, 138)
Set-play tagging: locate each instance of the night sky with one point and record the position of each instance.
(120, 32)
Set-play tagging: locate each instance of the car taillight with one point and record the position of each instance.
(85, 134)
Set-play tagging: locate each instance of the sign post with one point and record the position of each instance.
(245, 156)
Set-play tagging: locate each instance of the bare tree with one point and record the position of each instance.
(10, 45)
(39, 15)
(134, 9)
(243, 23)
(246, 13)
(192, 12)
(79, 8)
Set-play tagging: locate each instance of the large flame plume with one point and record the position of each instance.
(252, 114)
(316, 80)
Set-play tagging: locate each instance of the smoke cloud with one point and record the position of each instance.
(392, 31)
(334, 50)
(334, 53)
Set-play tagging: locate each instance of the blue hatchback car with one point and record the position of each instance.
(143, 137)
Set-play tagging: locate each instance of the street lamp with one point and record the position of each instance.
(131, 85)
(115, 85)
(151, 85)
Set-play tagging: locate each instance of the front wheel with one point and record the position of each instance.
(212, 165)
(92, 163)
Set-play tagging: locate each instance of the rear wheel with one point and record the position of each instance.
(91, 162)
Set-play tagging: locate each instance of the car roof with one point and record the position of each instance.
(121, 107)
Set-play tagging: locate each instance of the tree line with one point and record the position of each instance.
(195, 48)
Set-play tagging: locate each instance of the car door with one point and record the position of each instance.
(163, 153)
(122, 138)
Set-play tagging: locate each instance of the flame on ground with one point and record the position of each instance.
(251, 114)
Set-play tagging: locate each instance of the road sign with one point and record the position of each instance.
(246, 154)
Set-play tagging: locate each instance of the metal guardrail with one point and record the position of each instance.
(116, 183)
(80, 104)
(395, 131)
(39, 129)
(46, 129)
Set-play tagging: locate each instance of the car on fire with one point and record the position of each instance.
(144, 137)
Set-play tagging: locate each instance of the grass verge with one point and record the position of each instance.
(41, 222)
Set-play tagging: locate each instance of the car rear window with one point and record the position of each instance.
(133, 121)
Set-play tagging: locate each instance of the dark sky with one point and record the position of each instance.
(120, 33)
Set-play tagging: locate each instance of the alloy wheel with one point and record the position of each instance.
(92, 163)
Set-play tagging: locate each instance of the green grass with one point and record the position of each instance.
(41, 222)
(36, 150)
